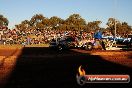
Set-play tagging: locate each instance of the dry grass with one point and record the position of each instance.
(10, 46)
(21, 46)
(38, 45)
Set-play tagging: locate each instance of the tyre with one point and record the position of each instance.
(60, 48)
(88, 46)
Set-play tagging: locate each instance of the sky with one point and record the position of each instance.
(90, 10)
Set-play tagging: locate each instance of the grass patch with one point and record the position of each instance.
(38, 45)
(10, 46)
(21, 46)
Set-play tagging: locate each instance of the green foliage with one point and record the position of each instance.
(73, 22)
(122, 28)
(3, 21)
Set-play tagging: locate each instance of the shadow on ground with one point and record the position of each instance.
(46, 68)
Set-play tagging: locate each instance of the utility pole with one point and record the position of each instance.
(115, 28)
(115, 4)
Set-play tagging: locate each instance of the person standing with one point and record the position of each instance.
(28, 40)
(0, 38)
(98, 38)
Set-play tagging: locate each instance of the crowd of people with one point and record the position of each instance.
(34, 36)
(37, 36)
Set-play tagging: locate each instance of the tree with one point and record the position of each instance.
(24, 26)
(111, 25)
(26, 23)
(93, 26)
(56, 22)
(75, 22)
(37, 20)
(46, 22)
(3, 21)
(122, 28)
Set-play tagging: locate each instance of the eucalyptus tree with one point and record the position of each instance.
(3, 21)
(37, 21)
(93, 26)
(122, 28)
(56, 22)
(75, 22)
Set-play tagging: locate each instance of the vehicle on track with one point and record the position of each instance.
(86, 44)
(63, 43)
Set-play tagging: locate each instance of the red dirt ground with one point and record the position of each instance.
(29, 59)
(117, 56)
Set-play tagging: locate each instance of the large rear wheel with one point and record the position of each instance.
(88, 46)
(60, 48)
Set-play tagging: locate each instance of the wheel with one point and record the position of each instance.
(88, 46)
(60, 48)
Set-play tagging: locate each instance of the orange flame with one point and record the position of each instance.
(81, 71)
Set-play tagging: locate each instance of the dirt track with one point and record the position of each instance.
(37, 67)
